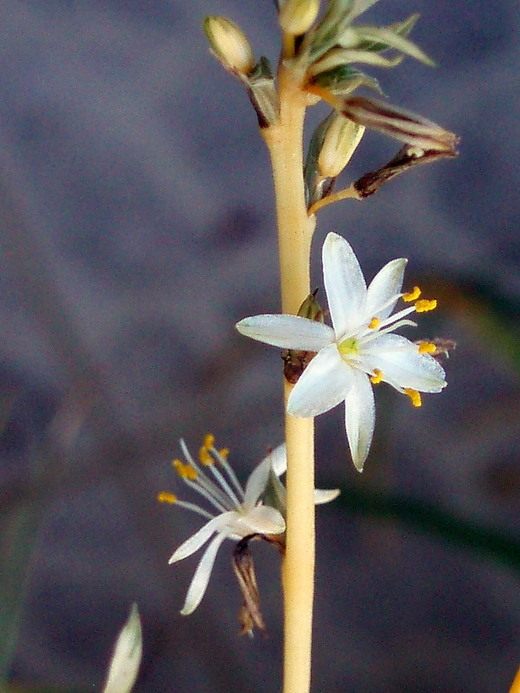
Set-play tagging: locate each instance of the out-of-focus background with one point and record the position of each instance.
(136, 226)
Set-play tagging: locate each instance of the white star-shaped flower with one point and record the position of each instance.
(359, 349)
(240, 512)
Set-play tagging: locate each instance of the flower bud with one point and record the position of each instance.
(229, 44)
(399, 123)
(126, 657)
(297, 16)
(340, 142)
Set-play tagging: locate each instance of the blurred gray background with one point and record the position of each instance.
(136, 226)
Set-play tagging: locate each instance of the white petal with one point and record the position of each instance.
(360, 418)
(287, 331)
(278, 459)
(384, 287)
(126, 657)
(260, 520)
(275, 460)
(402, 365)
(344, 283)
(200, 580)
(323, 384)
(199, 538)
(325, 495)
(256, 483)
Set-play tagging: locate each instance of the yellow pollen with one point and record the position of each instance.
(424, 305)
(185, 471)
(414, 396)
(374, 324)
(413, 295)
(377, 377)
(209, 441)
(427, 348)
(224, 452)
(204, 456)
(166, 497)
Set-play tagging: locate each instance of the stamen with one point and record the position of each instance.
(166, 497)
(209, 441)
(377, 376)
(204, 456)
(374, 324)
(224, 452)
(185, 471)
(413, 295)
(427, 348)
(414, 396)
(424, 305)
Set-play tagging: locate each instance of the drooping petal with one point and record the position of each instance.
(325, 495)
(384, 287)
(200, 580)
(344, 283)
(402, 365)
(323, 384)
(287, 331)
(260, 520)
(360, 418)
(199, 538)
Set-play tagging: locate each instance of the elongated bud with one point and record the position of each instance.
(340, 142)
(297, 16)
(229, 44)
(126, 656)
(397, 122)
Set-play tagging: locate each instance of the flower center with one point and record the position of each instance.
(349, 347)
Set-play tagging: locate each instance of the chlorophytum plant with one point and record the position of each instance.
(325, 49)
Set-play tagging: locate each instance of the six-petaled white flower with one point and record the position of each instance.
(240, 511)
(359, 349)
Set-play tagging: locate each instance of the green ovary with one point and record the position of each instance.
(348, 347)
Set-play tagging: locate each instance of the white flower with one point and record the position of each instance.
(240, 511)
(359, 350)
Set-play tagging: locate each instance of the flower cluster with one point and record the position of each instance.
(359, 350)
(236, 512)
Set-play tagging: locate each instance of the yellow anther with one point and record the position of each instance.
(166, 497)
(424, 305)
(204, 457)
(414, 396)
(224, 452)
(377, 376)
(427, 348)
(374, 324)
(209, 441)
(413, 295)
(185, 471)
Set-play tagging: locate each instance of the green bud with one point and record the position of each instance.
(297, 16)
(340, 142)
(229, 44)
(310, 308)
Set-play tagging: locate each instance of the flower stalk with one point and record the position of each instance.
(295, 228)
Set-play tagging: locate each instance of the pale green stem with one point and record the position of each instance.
(295, 228)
